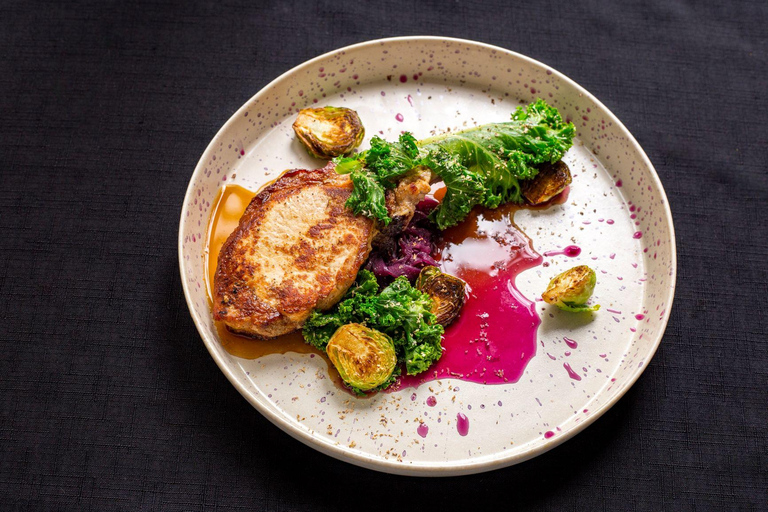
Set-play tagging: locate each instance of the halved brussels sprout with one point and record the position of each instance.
(572, 289)
(447, 293)
(364, 357)
(550, 181)
(329, 132)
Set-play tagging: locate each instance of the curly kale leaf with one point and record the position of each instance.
(390, 160)
(367, 196)
(400, 311)
(464, 188)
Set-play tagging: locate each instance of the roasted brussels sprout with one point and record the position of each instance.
(329, 132)
(447, 293)
(550, 181)
(572, 289)
(364, 357)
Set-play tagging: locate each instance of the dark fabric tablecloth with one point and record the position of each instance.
(108, 398)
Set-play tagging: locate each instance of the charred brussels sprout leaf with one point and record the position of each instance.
(329, 132)
(551, 180)
(447, 292)
(364, 357)
(571, 290)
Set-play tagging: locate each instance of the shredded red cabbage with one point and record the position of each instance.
(413, 250)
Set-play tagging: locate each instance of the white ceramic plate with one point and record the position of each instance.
(617, 213)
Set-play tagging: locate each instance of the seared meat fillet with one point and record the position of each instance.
(296, 249)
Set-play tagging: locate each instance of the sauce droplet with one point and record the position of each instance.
(462, 424)
(399, 117)
(638, 234)
(548, 434)
(571, 251)
(403, 79)
(422, 430)
(571, 343)
(431, 401)
(572, 374)
(639, 316)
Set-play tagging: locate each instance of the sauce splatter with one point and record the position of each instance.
(422, 430)
(571, 343)
(399, 117)
(571, 251)
(572, 374)
(462, 424)
(431, 401)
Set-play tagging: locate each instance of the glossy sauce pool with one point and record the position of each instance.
(494, 337)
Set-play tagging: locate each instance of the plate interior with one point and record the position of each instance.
(616, 213)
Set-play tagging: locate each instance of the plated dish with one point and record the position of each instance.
(615, 220)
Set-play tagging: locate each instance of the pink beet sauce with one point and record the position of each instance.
(494, 337)
(571, 251)
(462, 424)
(571, 343)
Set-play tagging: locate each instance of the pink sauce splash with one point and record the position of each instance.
(494, 337)
(462, 424)
(571, 343)
(571, 251)
(572, 374)
(422, 430)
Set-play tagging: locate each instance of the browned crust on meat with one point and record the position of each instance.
(249, 296)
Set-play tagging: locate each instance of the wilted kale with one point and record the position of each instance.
(503, 153)
(367, 196)
(464, 188)
(390, 160)
(399, 310)
(481, 165)
(376, 169)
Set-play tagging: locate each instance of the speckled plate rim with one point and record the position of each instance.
(372, 462)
